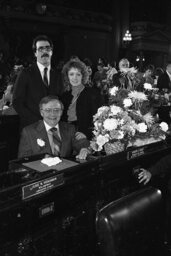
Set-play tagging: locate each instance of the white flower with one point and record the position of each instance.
(122, 121)
(164, 126)
(97, 125)
(166, 95)
(40, 142)
(142, 127)
(101, 140)
(110, 124)
(148, 86)
(115, 109)
(120, 135)
(148, 118)
(132, 130)
(127, 102)
(101, 110)
(113, 90)
(137, 95)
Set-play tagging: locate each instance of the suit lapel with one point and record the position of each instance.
(38, 77)
(52, 78)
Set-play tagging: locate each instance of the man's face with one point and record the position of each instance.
(43, 52)
(123, 65)
(51, 112)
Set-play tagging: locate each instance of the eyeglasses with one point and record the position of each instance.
(47, 48)
(52, 110)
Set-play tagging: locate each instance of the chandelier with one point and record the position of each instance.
(127, 37)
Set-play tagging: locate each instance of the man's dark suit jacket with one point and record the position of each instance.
(163, 166)
(120, 80)
(164, 82)
(29, 143)
(29, 89)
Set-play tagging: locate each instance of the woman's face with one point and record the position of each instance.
(75, 76)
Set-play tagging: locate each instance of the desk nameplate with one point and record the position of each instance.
(135, 153)
(42, 186)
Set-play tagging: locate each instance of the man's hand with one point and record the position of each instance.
(80, 135)
(83, 154)
(144, 176)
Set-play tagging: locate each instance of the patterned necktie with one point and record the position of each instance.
(56, 141)
(45, 78)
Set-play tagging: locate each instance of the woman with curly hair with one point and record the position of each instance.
(80, 101)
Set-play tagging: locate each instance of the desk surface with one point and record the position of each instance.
(37, 165)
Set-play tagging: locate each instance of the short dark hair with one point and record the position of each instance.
(49, 98)
(88, 62)
(41, 38)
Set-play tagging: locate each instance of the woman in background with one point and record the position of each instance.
(80, 101)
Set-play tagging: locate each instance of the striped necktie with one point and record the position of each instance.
(45, 78)
(56, 141)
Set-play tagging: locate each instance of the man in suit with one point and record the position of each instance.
(36, 82)
(38, 138)
(121, 78)
(164, 81)
(161, 169)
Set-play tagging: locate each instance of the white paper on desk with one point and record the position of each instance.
(50, 161)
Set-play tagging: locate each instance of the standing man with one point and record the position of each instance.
(164, 81)
(121, 79)
(35, 82)
(164, 84)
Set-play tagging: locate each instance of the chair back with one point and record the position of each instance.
(132, 225)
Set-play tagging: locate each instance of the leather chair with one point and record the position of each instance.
(132, 225)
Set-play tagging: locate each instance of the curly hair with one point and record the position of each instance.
(77, 64)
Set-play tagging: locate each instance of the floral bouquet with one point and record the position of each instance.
(125, 120)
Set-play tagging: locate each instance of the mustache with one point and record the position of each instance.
(45, 55)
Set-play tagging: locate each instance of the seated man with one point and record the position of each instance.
(52, 136)
(161, 168)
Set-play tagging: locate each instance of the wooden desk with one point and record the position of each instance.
(62, 217)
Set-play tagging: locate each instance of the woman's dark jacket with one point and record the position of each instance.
(87, 104)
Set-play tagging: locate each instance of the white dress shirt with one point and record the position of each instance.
(41, 68)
